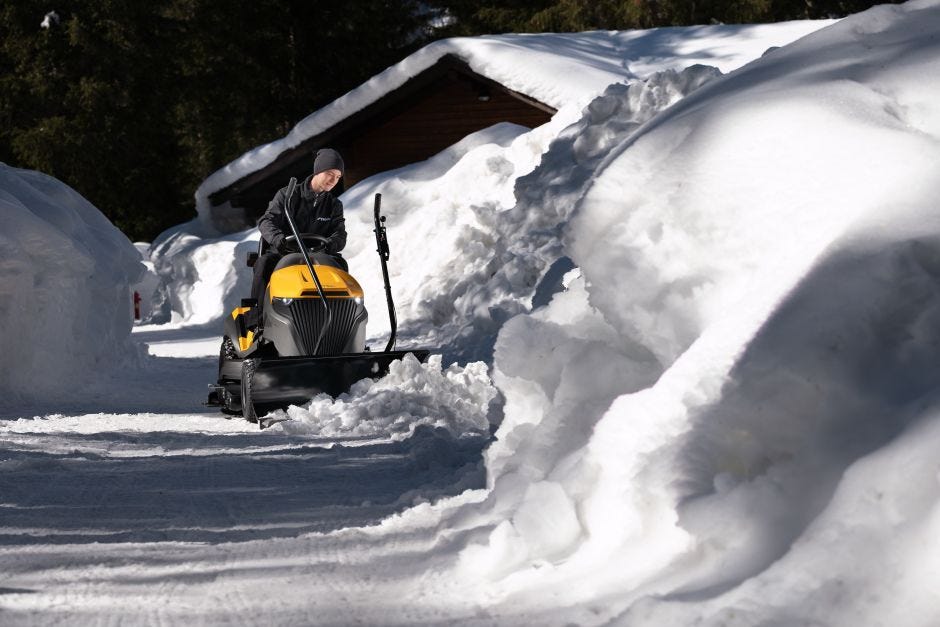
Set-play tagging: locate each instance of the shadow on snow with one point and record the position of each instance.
(218, 488)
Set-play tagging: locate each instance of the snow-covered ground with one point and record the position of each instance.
(704, 314)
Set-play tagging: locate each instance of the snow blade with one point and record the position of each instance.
(277, 383)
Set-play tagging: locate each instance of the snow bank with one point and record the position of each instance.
(471, 245)
(65, 276)
(531, 64)
(202, 278)
(758, 312)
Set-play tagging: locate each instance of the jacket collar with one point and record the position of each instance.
(307, 193)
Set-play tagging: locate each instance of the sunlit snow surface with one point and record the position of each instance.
(708, 315)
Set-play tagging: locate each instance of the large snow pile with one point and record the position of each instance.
(730, 416)
(474, 231)
(65, 276)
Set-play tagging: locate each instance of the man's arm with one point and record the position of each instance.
(337, 228)
(273, 224)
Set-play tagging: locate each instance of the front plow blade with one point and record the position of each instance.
(277, 383)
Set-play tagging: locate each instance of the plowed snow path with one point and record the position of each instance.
(178, 513)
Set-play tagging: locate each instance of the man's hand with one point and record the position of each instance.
(279, 245)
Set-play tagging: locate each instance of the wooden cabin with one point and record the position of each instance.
(430, 112)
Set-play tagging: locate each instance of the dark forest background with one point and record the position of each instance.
(134, 103)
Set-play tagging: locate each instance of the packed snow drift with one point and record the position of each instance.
(765, 251)
(704, 313)
(65, 280)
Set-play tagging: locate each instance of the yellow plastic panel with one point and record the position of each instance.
(296, 282)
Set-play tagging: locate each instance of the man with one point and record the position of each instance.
(314, 210)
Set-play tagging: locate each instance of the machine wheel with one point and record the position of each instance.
(248, 406)
(227, 351)
(227, 354)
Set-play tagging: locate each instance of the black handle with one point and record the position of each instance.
(291, 188)
(381, 240)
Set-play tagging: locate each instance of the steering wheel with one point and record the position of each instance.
(313, 243)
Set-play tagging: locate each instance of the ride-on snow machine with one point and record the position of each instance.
(310, 332)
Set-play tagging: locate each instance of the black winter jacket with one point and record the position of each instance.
(319, 213)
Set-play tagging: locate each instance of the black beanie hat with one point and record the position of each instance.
(328, 159)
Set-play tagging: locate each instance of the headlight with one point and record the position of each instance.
(283, 301)
(357, 300)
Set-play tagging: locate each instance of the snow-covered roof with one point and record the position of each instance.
(557, 69)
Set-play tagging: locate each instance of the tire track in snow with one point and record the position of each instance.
(134, 514)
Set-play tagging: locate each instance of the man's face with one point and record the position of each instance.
(325, 181)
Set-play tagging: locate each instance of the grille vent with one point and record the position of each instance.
(309, 317)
